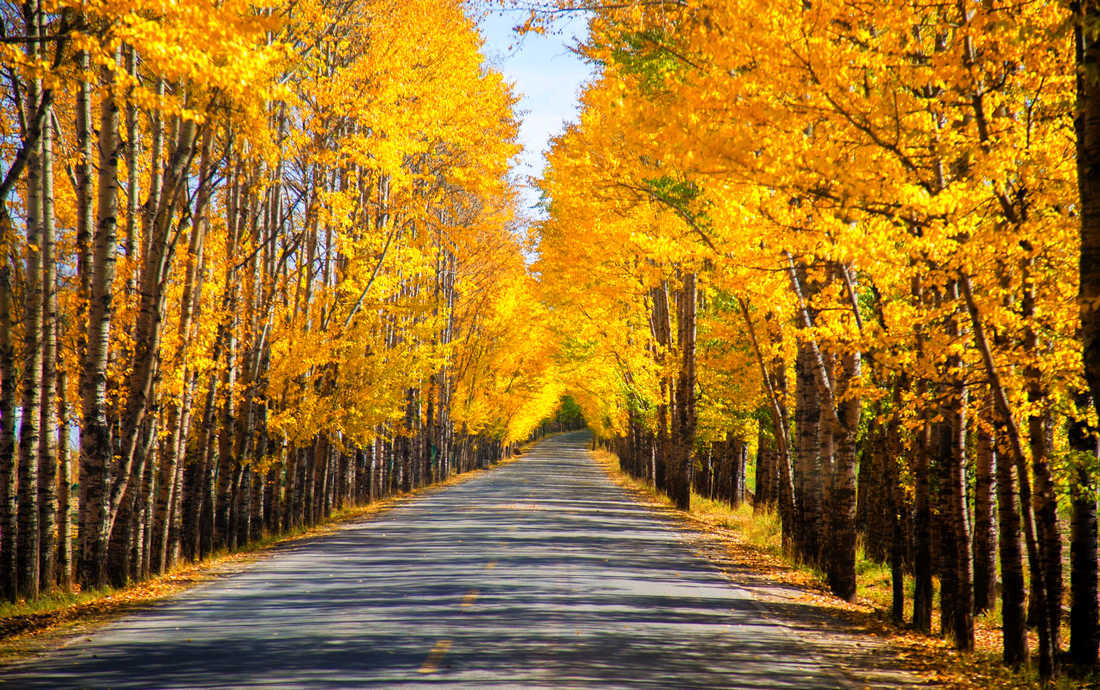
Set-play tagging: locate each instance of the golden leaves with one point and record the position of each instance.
(897, 141)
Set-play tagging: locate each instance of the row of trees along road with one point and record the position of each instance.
(256, 263)
(848, 234)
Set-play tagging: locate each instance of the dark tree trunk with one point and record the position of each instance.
(922, 527)
(65, 486)
(985, 532)
(842, 509)
(897, 506)
(740, 466)
(8, 386)
(1084, 635)
(944, 536)
(1083, 643)
(958, 522)
(1040, 432)
(1047, 529)
(1013, 594)
(765, 470)
(1087, 125)
(684, 410)
(808, 466)
(208, 482)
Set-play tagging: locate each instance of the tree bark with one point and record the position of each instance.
(680, 486)
(898, 508)
(842, 509)
(95, 441)
(922, 527)
(65, 487)
(28, 553)
(1040, 428)
(808, 466)
(47, 469)
(8, 386)
(1087, 126)
(985, 531)
(962, 627)
(1013, 593)
(1083, 638)
(1084, 634)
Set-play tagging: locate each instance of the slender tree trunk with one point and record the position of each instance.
(95, 441)
(47, 469)
(1041, 442)
(1048, 530)
(943, 525)
(808, 480)
(922, 494)
(662, 333)
(765, 469)
(133, 147)
(842, 532)
(8, 386)
(898, 508)
(208, 485)
(28, 547)
(1084, 636)
(1013, 593)
(680, 487)
(65, 488)
(962, 627)
(922, 519)
(175, 528)
(85, 206)
(740, 468)
(985, 532)
(28, 544)
(85, 225)
(1087, 126)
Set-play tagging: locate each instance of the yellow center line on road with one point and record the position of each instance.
(468, 600)
(431, 664)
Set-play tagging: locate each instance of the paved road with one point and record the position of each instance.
(539, 574)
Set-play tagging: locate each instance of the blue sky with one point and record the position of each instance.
(547, 78)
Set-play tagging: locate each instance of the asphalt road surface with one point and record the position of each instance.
(541, 573)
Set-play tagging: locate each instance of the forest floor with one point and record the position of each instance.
(27, 629)
(860, 634)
